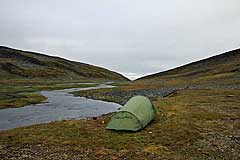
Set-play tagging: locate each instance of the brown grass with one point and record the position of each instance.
(191, 124)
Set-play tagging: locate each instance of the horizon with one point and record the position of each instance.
(134, 38)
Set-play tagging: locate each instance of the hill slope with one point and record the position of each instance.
(17, 64)
(223, 68)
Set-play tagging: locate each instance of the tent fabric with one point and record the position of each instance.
(135, 115)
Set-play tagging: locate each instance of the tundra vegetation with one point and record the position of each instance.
(198, 117)
(22, 73)
(190, 124)
(19, 95)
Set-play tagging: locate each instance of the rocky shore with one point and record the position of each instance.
(121, 96)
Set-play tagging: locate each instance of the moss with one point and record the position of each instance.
(193, 120)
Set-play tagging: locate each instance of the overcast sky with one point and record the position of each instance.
(133, 37)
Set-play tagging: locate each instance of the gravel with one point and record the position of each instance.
(121, 97)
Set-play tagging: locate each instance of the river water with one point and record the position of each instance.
(61, 105)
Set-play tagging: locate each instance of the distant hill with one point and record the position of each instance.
(17, 64)
(223, 69)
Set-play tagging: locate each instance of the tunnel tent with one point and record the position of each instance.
(135, 115)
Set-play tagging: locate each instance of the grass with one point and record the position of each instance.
(20, 100)
(222, 69)
(63, 86)
(191, 124)
(22, 72)
(17, 65)
(19, 95)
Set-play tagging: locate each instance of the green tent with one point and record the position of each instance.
(135, 115)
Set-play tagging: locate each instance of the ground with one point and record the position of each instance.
(190, 124)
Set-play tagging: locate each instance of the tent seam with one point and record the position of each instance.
(135, 117)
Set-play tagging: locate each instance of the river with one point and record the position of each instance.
(61, 105)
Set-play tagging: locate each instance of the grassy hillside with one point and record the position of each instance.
(191, 122)
(220, 69)
(17, 64)
(23, 73)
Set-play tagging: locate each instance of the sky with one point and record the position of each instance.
(132, 37)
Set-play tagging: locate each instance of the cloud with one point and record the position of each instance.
(132, 37)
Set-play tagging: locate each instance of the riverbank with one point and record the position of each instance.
(190, 124)
(22, 94)
(122, 94)
(60, 105)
